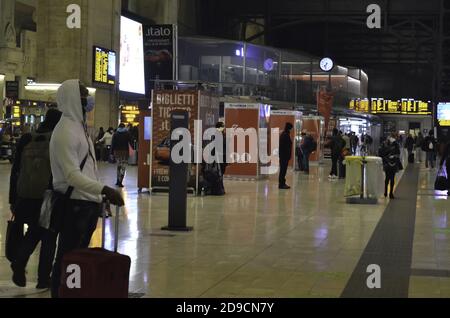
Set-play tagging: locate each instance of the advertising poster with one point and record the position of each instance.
(325, 105)
(132, 75)
(243, 116)
(164, 102)
(159, 51)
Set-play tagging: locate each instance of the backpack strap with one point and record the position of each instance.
(70, 190)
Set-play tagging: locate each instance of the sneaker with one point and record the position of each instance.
(284, 187)
(391, 196)
(19, 278)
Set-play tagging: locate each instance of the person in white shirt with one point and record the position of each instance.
(107, 140)
(73, 163)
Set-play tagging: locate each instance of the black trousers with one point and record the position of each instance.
(80, 222)
(283, 171)
(390, 179)
(334, 164)
(27, 211)
(342, 169)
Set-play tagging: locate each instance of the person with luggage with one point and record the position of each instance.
(429, 146)
(75, 174)
(285, 155)
(30, 177)
(409, 145)
(120, 147)
(390, 153)
(309, 145)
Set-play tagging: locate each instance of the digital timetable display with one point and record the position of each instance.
(104, 66)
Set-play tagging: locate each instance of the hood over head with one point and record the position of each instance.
(69, 100)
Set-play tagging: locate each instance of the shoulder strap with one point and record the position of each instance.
(70, 189)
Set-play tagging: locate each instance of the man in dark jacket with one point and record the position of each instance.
(337, 144)
(26, 207)
(429, 146)
(307, 148)
(121, 143)
(285, 154)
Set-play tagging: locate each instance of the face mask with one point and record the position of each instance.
(88, 104)
(392, 140)
(221, 129)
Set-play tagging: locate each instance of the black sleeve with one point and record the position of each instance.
(15, 170)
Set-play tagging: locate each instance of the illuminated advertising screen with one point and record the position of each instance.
(104, 66)
(401, 107)
(443, 114)
(132, 73)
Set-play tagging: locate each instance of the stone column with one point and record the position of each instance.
(65, 53)
(11, 57)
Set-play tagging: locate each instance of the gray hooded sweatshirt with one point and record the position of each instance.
(69, 145)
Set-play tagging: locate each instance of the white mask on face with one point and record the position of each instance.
(221, 129)
(391, 139)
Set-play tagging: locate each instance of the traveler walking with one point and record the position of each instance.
(429, 146)
(107, 141)
(390, 153)
(409, 145)
(74, 170)
(30, 178)
(419, 144)
(120, 147)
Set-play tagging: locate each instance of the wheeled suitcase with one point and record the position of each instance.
(96, 272)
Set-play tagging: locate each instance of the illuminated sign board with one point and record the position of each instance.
(104, 71)
(443, 114)
(360, 105)
(392, 107)
(130, 115)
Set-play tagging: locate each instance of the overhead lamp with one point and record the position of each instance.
(50, 87)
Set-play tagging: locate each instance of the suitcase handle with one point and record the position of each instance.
(116, 226)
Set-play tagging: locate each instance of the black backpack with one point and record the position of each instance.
(35, 170)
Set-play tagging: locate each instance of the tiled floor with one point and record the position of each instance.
(257, 241)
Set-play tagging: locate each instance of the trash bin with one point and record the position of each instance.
(364, 180)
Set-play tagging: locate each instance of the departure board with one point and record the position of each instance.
(104, 71)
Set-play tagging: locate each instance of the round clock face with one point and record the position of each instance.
(268, 65)
(326, 64)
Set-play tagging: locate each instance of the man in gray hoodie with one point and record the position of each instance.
(74, 167)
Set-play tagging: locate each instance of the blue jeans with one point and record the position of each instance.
(306, 155)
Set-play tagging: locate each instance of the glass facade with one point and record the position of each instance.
(242, 69)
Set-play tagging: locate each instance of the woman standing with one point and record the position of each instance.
(121, 143)
(390, 152)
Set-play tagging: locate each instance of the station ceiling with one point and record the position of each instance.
(405, 58)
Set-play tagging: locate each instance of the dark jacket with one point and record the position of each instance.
(390, 153)
(409, 143)
(285, 146)
(121, 141)
(426, 144)
(337, 144)
(308, 144)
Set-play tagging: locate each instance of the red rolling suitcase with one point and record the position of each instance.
(96, 272)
